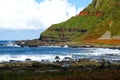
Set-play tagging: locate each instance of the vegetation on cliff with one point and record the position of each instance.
(92, 23)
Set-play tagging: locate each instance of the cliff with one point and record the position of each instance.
(91, 25)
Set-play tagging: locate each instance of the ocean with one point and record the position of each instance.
(8, 52)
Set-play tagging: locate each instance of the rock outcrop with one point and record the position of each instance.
(87, 13)
(106, 35)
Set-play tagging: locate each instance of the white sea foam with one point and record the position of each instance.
(102, 51)
(82, 53)
(32, 57)
(98, 52)
(11, 44)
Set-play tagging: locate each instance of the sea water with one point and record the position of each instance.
(17, 53)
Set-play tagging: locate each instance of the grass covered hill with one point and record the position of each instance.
(99, 22)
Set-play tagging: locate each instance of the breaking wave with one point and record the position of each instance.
(32, 57)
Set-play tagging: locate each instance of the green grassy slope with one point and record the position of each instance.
(100, 16)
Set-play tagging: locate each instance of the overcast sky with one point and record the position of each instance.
(26, 19)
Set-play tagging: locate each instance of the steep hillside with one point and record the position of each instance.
(99, 21)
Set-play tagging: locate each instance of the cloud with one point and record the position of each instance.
(28, 14)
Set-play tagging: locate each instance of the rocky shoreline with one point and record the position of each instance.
(37, 43)
(17, 70)
(66, 62)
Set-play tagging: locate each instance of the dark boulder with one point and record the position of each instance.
(57, 57)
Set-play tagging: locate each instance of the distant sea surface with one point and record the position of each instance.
(8, 51)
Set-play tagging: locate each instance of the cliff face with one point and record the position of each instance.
(92, 23)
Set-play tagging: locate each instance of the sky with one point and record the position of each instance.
(26, 19)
